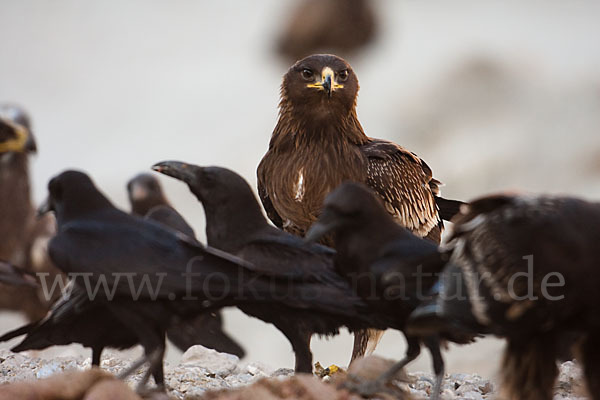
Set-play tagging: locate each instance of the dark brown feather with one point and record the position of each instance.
(320, 143)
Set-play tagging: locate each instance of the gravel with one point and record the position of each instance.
(201, 370)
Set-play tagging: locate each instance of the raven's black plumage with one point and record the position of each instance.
(503, 250)
(148, 200)
(391, 269)
(235, 223)
(108, 245)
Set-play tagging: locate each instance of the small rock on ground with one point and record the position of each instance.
(203, 371)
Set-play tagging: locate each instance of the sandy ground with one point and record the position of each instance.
(494, 96)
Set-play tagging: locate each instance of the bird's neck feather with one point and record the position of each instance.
(142, 207)
(358, 253)
(294, 127)
(229, 225)
(16, 210)
(92, 203)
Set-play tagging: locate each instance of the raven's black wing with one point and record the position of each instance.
(132, 256)
(280, 254)
(169, 217)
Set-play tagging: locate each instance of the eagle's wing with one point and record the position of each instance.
(264, 196)
(406, 185)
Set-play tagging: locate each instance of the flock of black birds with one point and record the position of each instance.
(354, 242)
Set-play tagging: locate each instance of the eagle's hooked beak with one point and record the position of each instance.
(23, 141)
(327, 83)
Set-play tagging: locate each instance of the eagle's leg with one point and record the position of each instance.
(365, 342)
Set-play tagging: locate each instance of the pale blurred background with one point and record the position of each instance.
(493, 95)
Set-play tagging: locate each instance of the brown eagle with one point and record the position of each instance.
(318, 143)
(24, 237)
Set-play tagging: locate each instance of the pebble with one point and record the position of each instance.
(203, 369)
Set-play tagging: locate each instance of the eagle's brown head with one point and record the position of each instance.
(15, 130)
(320, 88)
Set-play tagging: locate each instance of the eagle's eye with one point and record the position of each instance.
(343, 75)
(307, 74)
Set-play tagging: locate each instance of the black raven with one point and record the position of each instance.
(134, 273)
(148, 200)
(235, 223)
(390, 268)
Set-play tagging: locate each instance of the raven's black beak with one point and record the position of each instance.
(316, 232)
(449, 310)
(178, 170)
(325, 225)
(13, 276)
(45, 207)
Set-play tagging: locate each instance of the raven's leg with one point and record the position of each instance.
(152, 340)
(156, 366)
(301, 345)
(370, 388)
(304, 363)
(133, 367)
(96, 355)
(590, 353)
(300, 341)
(433, 344)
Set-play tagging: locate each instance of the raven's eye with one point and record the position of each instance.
(343, 75)
(208, 179)
(307, 74)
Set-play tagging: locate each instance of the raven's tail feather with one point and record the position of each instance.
(18, 332)
(448, 208)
